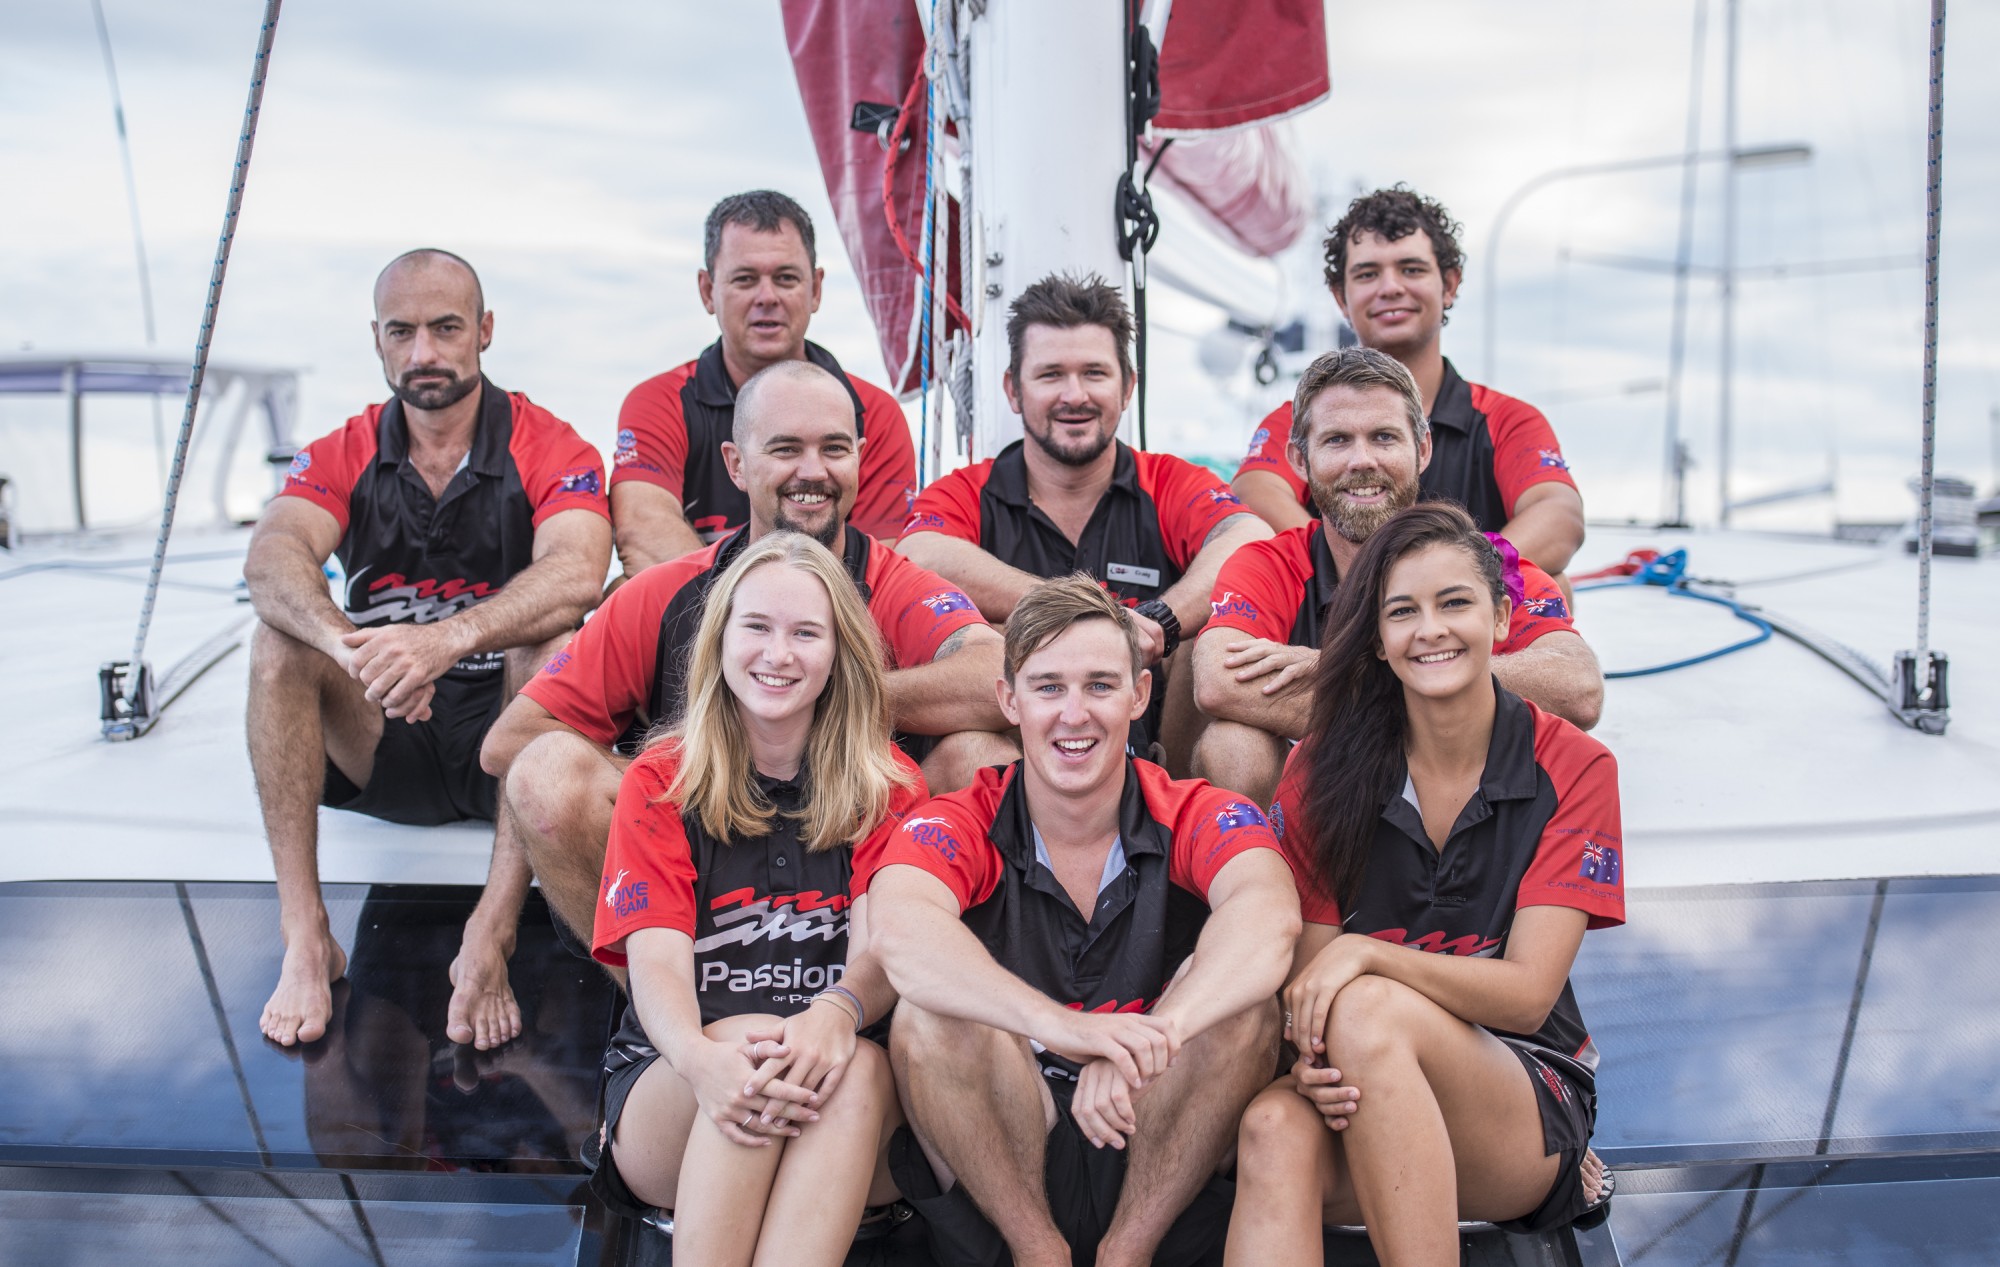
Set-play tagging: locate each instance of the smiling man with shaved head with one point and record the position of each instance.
(472, 534)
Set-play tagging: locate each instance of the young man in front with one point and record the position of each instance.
(1072, 497)
(1360, 442)
(1086, 953)
(1394, 266)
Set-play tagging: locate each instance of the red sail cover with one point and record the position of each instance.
(1224, 64)
(1228, 63)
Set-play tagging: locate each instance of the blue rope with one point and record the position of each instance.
(1669, 571)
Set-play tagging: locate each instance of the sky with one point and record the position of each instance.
(573, 162)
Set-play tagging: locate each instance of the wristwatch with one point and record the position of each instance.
(1157, 611)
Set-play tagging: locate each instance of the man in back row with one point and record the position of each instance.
(470, 525)
(1360, 442)
(760, 277)
(558, 746)
(1070, 496)
(1394, 267)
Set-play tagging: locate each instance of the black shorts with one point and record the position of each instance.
(1567, 1096)
(1082, 1183)
(628, 1055)
(428, 772)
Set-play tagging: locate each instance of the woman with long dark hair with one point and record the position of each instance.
(740, 1093)
(1452, 844)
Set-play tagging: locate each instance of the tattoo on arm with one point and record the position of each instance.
(1225, 526)
(952, 645)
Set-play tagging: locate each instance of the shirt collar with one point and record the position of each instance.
(1014, 833)
(491, 432)
(1114, 861)
(1009, 477)
(1453, 407)
(713, 386)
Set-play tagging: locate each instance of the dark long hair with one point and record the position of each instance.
(1354, 759)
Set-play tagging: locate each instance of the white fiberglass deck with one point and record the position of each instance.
(1763, 765)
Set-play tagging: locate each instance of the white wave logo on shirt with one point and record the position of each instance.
(782, 917)
(393, 597)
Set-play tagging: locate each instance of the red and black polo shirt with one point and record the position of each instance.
(1279, 589)
(408, 556)
(768, 916)
(1145, 531)
(1177, 836)
(1486, 450)
(672, 426)
(1541, 830)
(629, 661)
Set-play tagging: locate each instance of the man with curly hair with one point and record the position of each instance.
(1394, 266)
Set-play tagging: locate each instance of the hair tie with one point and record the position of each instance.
(1510, 567)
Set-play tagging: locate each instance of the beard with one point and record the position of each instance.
(1082, 451)
(436, 396)
(828, 535)
(1358, 523)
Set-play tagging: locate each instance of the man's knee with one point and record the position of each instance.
(1239, 757)
(956, 759)
(558, 786)
(278, 659)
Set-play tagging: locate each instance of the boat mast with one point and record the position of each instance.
(1048, 105)
(1727, 357)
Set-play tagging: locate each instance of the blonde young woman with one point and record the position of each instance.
(740, 1093)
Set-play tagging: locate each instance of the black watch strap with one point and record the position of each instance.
(1157, 611)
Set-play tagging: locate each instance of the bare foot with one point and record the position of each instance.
(482, 1011)
(1593, 1175)
(302, 1004)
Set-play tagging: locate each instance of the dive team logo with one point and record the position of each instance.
(934, 834)
(628, 448)
(557, 663)
(1258, 439)
(301, 463)
(395, 597)
(624, 899)
(945, 602)
(1233, 604)
(1552, 607)
(1552, 458)
(581, 480)
(929, 521)
(1600, 863)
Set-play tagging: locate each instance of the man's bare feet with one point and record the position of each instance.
(302, 1004)
(482, 1011)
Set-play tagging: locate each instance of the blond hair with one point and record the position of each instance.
(851, 767)
(1051, 607)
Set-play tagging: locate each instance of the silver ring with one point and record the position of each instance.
(1288, 1020)
(757, 1050)
(746, 1120)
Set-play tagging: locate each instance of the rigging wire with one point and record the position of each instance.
(124, 727)
(1934, 210)
(138, 233)
(929, 236)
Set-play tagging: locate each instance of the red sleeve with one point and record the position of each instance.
(325, 471)
(1214, 827)
(915, 609)
(1191, 502)
(600, 681)
(559, 471)
(951, 504)
(648, 869)
(946, 837)
(1288, 824)
(868, 851)
(652, 434)
(1260, 587)
(1540, 611)
(1580, 861)
(888, 464)
(1525, 451)
(1267, 451)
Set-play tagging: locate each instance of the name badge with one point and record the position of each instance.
(1132, 575)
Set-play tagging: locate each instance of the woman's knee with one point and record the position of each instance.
(1374, 1017)
(1279, 1129)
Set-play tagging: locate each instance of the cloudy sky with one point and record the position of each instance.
(573, 162)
